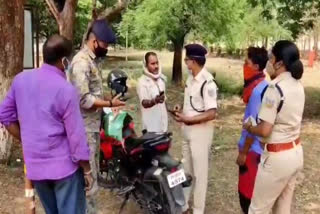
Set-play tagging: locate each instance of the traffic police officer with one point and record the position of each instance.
(199, 109)
(86, 77)
(281, 116)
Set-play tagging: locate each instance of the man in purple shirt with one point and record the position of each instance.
(42, 109)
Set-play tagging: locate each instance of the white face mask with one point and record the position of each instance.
(270, 69)
(66, 65)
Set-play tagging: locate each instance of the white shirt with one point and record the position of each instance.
(193, 101)
(154, 119)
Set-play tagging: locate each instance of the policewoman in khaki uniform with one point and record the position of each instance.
(199, 109)
(280, 116)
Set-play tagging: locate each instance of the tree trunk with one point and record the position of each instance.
(64, 18)
(67, 18)
(11, 57)
(110, 14)
(177, 62)
(66, 28)
(315, 40)
(309, 43)
(304, 44)
(93, 18)
(266, 42)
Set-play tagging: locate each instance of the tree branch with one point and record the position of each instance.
(53, 9)
(94, 9)
(111, 13)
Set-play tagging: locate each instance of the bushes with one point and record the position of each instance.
(229, 85)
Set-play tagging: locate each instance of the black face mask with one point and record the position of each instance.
(100, 52)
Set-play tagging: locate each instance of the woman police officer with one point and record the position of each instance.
(280, 122)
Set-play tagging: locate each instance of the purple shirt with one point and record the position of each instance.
(52, 130)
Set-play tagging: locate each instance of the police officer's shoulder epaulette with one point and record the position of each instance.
(210, 81)
(271, 85)
(213, 80)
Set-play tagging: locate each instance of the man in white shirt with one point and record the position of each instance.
(151, 91)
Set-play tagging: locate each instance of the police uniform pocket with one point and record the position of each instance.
(265, 160)
(95, 85)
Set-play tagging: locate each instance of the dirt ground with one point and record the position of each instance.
(222, 197)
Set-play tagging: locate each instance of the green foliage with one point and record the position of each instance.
(152, 24)
(234, 24)
(228, 85)
(83, 16)
(290, 13)
(48, 25)
(251, 27)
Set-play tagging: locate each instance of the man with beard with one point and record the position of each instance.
(151, 91)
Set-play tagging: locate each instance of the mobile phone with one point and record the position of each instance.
(124, 99)
(172, 112)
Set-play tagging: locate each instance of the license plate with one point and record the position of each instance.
(176, 178)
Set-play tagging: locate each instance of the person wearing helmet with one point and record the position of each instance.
(151, 91)
(86, 77)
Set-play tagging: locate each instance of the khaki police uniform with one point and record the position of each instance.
(198, 138)
(154, 119)
(277, 172)
(86, 77)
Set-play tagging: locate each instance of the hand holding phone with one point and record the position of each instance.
(160, 98)
(176, 108)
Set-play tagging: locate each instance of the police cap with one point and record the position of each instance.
(195, 50)
(103, 31)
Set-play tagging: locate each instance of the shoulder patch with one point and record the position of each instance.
(211, 92)
(269, 102)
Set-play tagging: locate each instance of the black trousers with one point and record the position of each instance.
(244, 203)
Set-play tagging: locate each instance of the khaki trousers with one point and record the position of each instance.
(275, 181)
(195, 151)
(94, 145)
